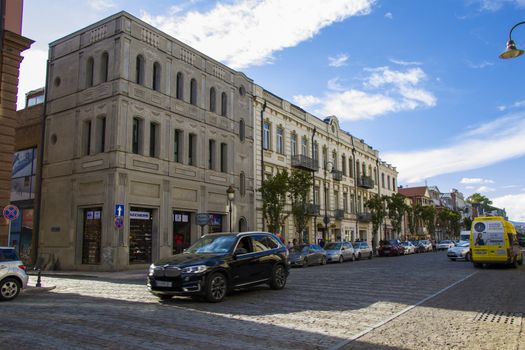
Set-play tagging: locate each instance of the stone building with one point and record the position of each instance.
(12, 44)
(142, 133)
(347, 170)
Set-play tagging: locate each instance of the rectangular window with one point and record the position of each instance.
(352, 203)
(136, 135)
(101, 134)
(224, 157)
(316, 195)
(153, 136)
(343, 163)
(177, 146)
(336, 199)
(266, 136)
(87, 137)
(304, 146)
(211, 154)
(315, 152)
(345, 202)
(192, 149)
(280, 142)
(388, 181)
(92, 235)
(293, 144)
(350, 167)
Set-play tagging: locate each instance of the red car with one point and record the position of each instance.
(391, 248)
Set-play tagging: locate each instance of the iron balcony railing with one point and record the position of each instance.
(313, 209)
(337, 175)
(304, 162)
(364, 217)
(339, 214)
(365, 182)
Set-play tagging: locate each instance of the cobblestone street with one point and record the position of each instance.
(321, 307)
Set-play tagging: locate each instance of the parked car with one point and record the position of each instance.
(362, 250)
(339, 251)
(409, 247)
(426, 244)
(217, 263)
(445, 244)
(13, 276)
(307, 254)
(391, 248)
(459, 252)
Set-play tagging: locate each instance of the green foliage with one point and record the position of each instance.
(299, 185)
(478, 198)
(273, 191)
(449, 221)
(428, 215)
(376, 204)
(396, 210)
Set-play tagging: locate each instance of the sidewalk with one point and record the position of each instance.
(113, 275)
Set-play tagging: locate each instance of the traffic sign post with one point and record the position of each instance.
(10, 212)
(118, 222)
(202, 219)
(119, 210)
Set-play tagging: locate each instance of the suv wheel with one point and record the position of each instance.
(9, 289)
(216, 287)
(278, 279)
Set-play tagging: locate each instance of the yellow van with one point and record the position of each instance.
(493, 240)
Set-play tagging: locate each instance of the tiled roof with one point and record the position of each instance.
(413, 191)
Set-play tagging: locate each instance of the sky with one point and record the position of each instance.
(418, 80)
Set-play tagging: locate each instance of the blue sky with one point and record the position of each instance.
(419, 80)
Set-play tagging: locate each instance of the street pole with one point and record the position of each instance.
(231, 217)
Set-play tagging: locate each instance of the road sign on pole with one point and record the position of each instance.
(11, 212)
(118, 222)
(119, 210)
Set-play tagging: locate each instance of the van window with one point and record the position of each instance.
(8, 255)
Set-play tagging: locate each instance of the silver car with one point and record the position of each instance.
(13, 276)
(362, 250)
(459, 252)
(339, 251)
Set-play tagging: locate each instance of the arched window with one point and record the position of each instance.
(242, 184)
(242, 131)
(212, 100)
(104, 67)
(224, 104)
(156, 76)
(180, 86)
(193, 92)
(139, 79)
(243, 225)
(89, 71)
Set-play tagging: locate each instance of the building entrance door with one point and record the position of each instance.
(140, 235)
(92, 236)
(181, 231)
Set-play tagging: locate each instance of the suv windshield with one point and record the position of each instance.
(8, 254)
(213, 244)
(332, 246)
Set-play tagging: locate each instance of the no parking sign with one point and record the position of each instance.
(11, 212)
(118, 222)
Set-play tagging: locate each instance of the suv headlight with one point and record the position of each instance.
(195, 269)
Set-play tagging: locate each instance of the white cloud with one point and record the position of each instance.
(517, 104)
(475, 180)
(405, 63)
(384, 91)
(490, 143)
(496, 5)
(248, 32)
(485, 189)
(32, 73)
(101, 5)
(338, 61)
(514, 205)
(480, 65)
(306, 101)
(389, 15)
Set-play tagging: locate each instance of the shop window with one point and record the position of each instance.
(23, 175)
(140, 235)
(91, 235)
(181, 231)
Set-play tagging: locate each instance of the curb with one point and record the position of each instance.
(37, 290)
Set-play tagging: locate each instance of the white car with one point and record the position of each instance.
(409, 247)
(460, 252)
(446, 244)
(13, 276)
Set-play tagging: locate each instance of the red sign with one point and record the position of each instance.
(11, 212)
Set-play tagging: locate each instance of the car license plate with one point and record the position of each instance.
(162, 284)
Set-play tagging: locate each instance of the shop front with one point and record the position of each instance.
(91, 235)
(215, 223)
(181, 231)
(140, 235)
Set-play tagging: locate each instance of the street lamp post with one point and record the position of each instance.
(512, 51)
(230, 192)
(327, 166)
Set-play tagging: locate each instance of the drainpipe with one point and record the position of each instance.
(379, 196)
(262, 153)
(314, 230)
(355, 188)
(36, 235)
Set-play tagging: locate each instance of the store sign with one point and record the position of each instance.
(202, 219)
(139, 215)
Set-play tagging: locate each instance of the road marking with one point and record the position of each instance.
(370, 329)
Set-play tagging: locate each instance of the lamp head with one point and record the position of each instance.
(512, 51)
(231, 193)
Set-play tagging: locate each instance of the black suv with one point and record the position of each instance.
(219, 262)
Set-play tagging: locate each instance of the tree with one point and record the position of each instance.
(299, 185)
(396, 210)
(449, 220)
(376, 204)
(428, 216)
(467, 223)
(417, 213)
(480, 199)
(412, 226)
(273, 191)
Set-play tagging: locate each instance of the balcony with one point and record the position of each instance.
(313, 209)
(365, 182)
(364, 217)
(337, 175)
(339, 214)
(303, 162)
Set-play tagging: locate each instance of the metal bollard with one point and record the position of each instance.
(38, 279)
